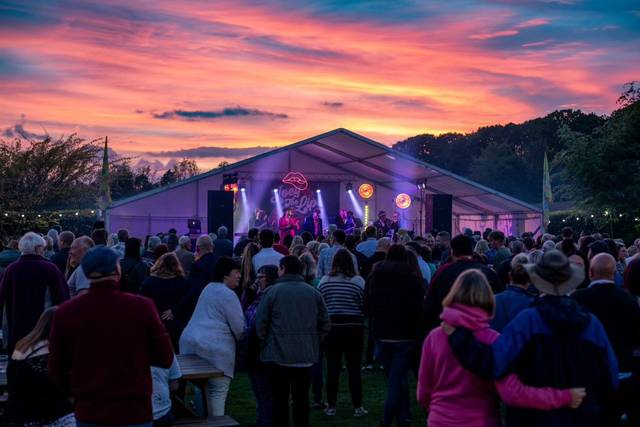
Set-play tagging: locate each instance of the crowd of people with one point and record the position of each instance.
(547, 328)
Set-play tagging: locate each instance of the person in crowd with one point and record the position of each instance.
(48, 248)
(9, 254)
(382, 247)
(443, 247)
(309, 269)
(160, 250)
(295, 241)
(392, 301)
(621, 259)
(425, 271)
(343, 293)
(555, 343)
(247, 292)
(164, 381)
(172, 242)
(60, 258)
(581, 260)
(259, 220)
(279, 246)
(184, 254)
(516, 297)
(258, 376)
(134, 271)
(368, 247)
(99, 236)
(547, 246)
(33, 398)
(313, 223)
(498, 252)
(165, 286)
(632, 277)
(82, 339)
(430, 241)
(123, 236)
(412, 260)
(55, 239)
(394, 224)
(288, 242)
(306, 237)
(454, 396)
(76, 279)
(152, 244)
(252, 237)
(215, 328)
(603, 246)
(619, 314)
(482, 247)
(313, 247)
(290, 335)
(27, 287)
(297, 250)
(350, 243)
(326, 255)
(567, 244)
(441, 283)
(112, 241)
(502, 270)
(267, 254)
(223, 246)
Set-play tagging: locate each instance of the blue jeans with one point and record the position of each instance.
(396, 357)
(264, 401)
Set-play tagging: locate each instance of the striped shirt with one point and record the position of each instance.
(343, 297)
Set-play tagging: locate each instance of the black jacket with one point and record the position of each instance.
(442, 282)
(134, 271)
(60, 259)
(200, 276)
(555, 343)
(619, 313)
(393, 298)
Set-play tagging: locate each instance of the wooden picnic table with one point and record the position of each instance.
(198, 371)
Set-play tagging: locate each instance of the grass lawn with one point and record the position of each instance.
(241, 403)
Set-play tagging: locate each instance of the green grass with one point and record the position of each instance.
(241, 402)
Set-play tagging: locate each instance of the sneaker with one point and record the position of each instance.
(360, 412)
(330, 412)
(368, 368)
(318, 405)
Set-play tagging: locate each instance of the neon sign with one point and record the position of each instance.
(365, 191)
(296, 180)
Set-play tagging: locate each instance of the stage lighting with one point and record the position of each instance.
(349, 187)
(318, 191)
(242, 189)
(275, 190)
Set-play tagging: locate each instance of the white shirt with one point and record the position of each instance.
(266, 256)
(161, 398)
(78, 281)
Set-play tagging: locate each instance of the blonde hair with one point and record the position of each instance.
(247, 264)
(472, 288)
(39, 333)
(166, 266)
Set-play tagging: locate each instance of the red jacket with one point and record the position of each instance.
(101, 346)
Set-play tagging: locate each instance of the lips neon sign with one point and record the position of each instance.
(296, 180)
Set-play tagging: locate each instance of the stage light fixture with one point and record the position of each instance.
(318, 191)
(349, 187)
(275, 190)
(242, 189)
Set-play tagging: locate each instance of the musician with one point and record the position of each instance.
(260, 219)
(313, 223)
(288, 224)
(382, 224)
(394, 224)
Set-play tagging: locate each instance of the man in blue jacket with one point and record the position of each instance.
(555, 343)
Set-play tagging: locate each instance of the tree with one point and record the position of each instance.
(630, 95)
(48, 174)
(185, 168)
(602, 167)
(121, 180)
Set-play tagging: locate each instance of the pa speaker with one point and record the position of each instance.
(220, 211)
(442, 212)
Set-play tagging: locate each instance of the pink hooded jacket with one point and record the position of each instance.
(456, 397)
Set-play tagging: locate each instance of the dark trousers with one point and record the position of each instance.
(262, 391)
(629, 399)
(345, 340)
(397, 360)
(317, 378)
(295, 382)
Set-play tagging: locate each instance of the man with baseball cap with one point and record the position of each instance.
(554, 343)
(102, 345)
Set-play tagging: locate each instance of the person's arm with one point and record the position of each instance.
(425, 377)
(160, 348)
(58, 288)
(234, 315)
(514, 393)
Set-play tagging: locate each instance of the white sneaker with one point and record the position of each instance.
(330, 412)
(360, 412)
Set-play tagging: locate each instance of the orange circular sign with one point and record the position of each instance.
(403, 200)
(365, 191)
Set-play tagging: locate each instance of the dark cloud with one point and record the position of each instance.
(18, 131)
(196, 115)
(333, 104)
(213, 152)
(295, 52)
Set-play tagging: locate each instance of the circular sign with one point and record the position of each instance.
(365, 191)
(403, 200)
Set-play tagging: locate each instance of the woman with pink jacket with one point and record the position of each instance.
(454, 396)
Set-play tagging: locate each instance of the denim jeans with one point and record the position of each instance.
(396, 356)
(264, 400)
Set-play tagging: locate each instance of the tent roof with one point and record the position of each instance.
(358, 155)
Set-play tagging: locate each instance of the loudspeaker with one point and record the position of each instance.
(442, 212)
(220, 211)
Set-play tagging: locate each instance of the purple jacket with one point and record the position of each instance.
(23, 293)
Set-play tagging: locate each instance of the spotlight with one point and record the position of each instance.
(318, 191)
(349, 187)
(242, 189)
(275, 190)
(591, 215)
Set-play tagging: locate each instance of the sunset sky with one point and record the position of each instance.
(171, 77)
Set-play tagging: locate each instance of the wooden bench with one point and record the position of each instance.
(224, 421)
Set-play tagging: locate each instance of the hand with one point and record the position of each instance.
(167, 315)
(577, 396)
(447, 328)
